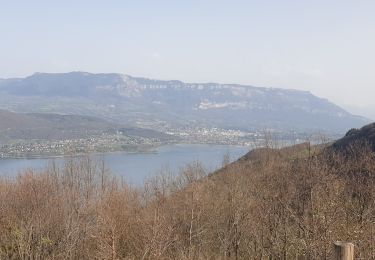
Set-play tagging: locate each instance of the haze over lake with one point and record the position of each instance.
(135, 167)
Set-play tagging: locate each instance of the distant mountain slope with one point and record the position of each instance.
(51, 126)
(156, 103)
(14, 126)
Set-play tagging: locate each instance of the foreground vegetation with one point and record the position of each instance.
(272, 204)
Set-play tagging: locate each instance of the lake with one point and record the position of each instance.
(135, 167)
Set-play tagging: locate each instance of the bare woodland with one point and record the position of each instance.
(272, 204)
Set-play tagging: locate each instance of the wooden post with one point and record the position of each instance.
(343, 251)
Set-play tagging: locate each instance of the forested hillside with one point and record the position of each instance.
(289, 203)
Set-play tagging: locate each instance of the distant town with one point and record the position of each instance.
(120, 142)
(102, 143)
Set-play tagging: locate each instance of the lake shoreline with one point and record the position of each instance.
(136, 167)
(144, 150)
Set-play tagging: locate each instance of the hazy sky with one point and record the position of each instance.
(326, 47)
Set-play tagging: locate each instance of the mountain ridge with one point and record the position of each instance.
(159, 103)
(174, 81)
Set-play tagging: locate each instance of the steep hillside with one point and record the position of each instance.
(355, 141)
(156, 103)
(363, 136)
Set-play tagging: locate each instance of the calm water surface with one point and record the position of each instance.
(134, 168)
